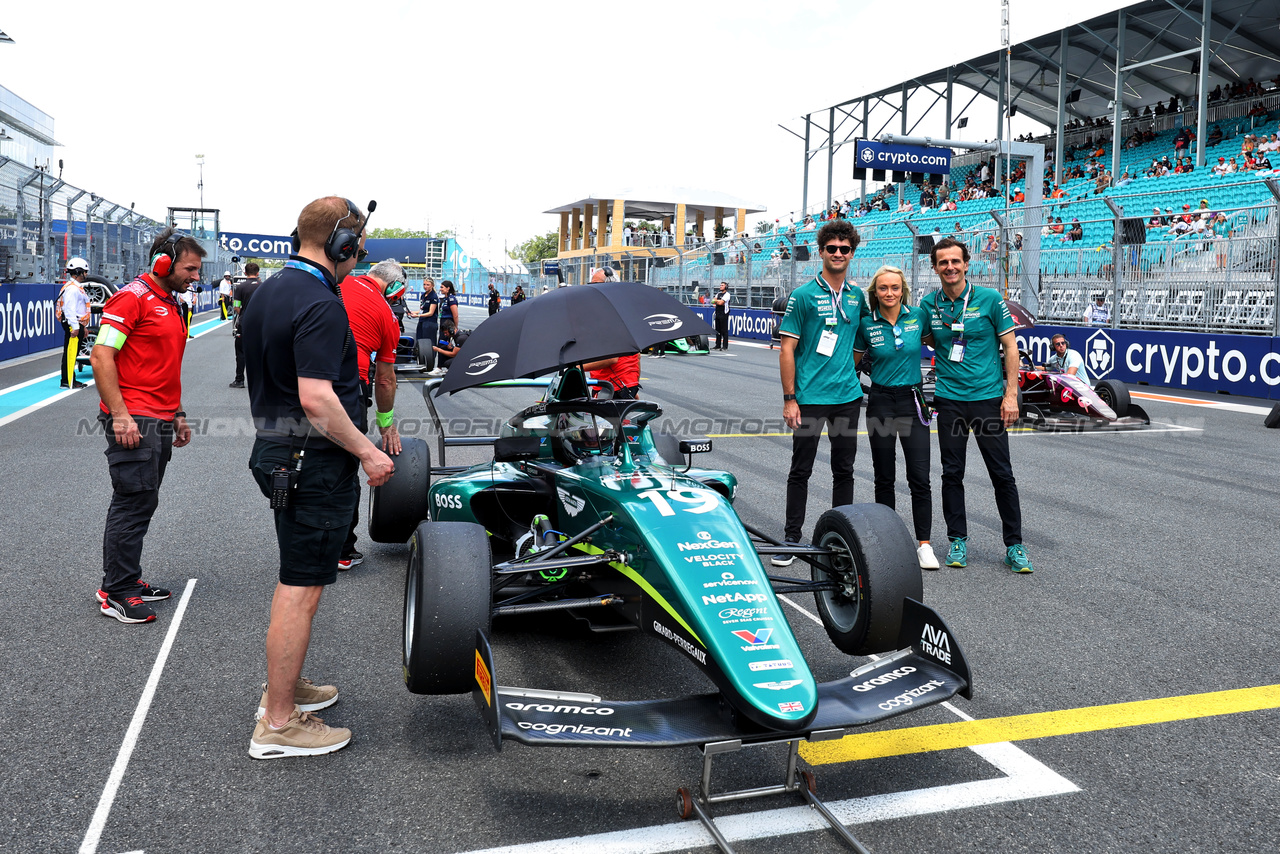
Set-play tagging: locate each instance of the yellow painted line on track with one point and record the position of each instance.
(902, 742)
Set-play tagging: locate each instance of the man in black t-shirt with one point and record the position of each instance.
(240, 296)
(304, 393)
(721, 302)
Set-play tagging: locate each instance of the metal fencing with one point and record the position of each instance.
(44, 221)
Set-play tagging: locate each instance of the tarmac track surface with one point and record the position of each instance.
(1155, 556)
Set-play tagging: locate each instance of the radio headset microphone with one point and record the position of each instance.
(373, 205)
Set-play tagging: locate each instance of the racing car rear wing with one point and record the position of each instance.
(929, 669)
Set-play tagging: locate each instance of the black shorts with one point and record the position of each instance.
(313, 529)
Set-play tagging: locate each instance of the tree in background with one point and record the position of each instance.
(764, 227)
(535, 249)
(408, 233)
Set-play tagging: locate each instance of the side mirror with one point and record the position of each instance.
(514, 449)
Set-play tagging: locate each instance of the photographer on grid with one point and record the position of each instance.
(304, 393)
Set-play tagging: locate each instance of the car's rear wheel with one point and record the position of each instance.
(1114, 394)
(446, 598)
(396, 507)
(876, 567)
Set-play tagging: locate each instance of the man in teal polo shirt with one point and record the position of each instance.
(975, 393)
(820, 375)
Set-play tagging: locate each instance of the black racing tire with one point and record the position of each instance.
(879, 570)
(699, 342)
(1114, 394)
(1022, 407)
(446, 598)
(396, 507)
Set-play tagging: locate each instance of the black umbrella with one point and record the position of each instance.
(569, 326)
(1021, 317)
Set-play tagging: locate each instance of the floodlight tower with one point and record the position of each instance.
(200, 163)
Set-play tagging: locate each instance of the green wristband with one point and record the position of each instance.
(385, 418)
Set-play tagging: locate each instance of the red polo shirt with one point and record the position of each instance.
(149, 364)
(372, 323)
(625, 373)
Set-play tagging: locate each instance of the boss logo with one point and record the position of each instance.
(448, 502)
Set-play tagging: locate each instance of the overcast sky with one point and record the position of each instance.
(474, 116)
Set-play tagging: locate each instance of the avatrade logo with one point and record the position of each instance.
(775, 664)
(755, 638)
(482, 364)
(778, 686)
(664, 322)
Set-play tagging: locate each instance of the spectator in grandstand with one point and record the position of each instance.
(1220, 168)
(1064, 360)
(1098, 314)
(820, 377)
(1125, 180)
(1179, 228)
(1214, 137)
(1156, 220)
(1076, 232)
(893, 333)
(1216, 94)
(976, 393)
(368, 299)
(137, 368)
(1231, 166)
(1057, 227)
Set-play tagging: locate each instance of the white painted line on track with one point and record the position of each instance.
(99, 821)
(14, 416)
(1205, 404)
(40, 379)
(1025, 777)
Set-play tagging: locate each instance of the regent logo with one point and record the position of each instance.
(755, 638)
(794, 706)
(868, 155)
(778, 686)
(884, 678)
(573, 505)
(739, 614)
(664, 322)
(775, 664)
(559, 710)
(935, 643)
(482, 364)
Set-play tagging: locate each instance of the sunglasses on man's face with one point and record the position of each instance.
(362, 254)
(835, 249)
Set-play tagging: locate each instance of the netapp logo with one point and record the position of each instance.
(482, 364)
(884, 678)
(560, 710)
(726, 598)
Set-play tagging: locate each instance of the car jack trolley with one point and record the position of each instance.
(803, 782)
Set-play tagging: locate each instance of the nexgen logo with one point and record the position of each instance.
(482, 364)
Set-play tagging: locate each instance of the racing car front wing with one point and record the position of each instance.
(930, 669)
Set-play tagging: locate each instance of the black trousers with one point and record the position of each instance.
(956, 420)
(722, 331)
(891, 414)
(239, 359)
(136, 475)
(841, 420)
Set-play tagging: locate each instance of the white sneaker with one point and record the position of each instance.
(926, 557)
(438, 372)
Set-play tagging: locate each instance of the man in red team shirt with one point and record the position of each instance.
(622, 372)
(367, 300)
(137, 368)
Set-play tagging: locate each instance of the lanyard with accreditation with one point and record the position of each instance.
(956, 322)
(827, 340)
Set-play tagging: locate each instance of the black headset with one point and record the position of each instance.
(343, 243)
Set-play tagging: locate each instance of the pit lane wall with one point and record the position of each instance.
(29, 324)
(1239, 364)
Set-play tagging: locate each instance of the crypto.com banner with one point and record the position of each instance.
(1239, 364)
(929, 159)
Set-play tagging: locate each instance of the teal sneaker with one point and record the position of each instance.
(958, 554)
(1016, 559)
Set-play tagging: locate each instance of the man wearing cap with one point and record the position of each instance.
(1156, 220)
(73, 314)
(977, 392)
(367, 299)
(224, 295)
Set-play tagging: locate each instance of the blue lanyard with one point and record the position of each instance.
(307, 268)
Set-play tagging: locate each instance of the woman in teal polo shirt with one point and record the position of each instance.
(893, 333)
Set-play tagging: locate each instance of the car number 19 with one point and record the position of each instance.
(704, 499)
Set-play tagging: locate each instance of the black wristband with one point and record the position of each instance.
(788, 397)
(179, 414)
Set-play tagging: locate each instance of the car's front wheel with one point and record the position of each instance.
(1114, 394)
(876, 567)
(446, 598)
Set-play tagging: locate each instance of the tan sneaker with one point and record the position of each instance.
(307, 696)
(304, 735)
